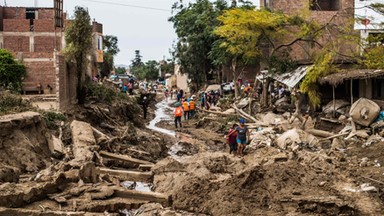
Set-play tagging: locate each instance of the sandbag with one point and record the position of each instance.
(364, 111)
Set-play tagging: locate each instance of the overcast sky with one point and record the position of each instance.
(137, 28)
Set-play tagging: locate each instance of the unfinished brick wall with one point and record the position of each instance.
(15, 25)
(41, 72)
(44, 25)
(38, 55)
(45, 43)
(45, 13)
(14, 12)
(16, 43)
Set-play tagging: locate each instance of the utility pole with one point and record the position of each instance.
(5, 3)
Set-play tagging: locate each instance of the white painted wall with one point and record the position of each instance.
(362, 11)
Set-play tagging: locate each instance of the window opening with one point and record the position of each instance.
(30, 14)
(325, 5)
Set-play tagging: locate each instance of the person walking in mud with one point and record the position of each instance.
(144, 104)
(178, 113)
(242, 137)
(231, 140)
(186, 109)
(191, 107)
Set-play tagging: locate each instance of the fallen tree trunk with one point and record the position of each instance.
(320, 133)
(216, 112)
(243, 114)
(125, 175)
(334, 136)
(147, 196)
(123, 158)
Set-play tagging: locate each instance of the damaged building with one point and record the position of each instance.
(30, 34)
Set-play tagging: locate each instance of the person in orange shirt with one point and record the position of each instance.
(191, 108)
(178, 113)
(186, 109)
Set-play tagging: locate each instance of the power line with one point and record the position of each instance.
(128, 5)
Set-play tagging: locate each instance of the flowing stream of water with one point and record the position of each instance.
(161, 114)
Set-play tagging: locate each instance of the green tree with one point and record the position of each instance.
(194, 26)
(120, 70)
(78, 37)
(167, 66)
(110, 50)
(152, 69)
(242, 32)
(11, 72)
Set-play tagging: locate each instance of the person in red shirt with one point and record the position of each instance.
(231, 139)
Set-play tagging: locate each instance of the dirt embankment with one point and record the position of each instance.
(342, 178)
(25, 145)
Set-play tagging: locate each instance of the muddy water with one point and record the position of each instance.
(162, 109)
(138, 186)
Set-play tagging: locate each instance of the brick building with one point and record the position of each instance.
(30, 34)
(336, 12)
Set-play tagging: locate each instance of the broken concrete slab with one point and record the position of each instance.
(56, 147)
(84, 142)
(88, 173)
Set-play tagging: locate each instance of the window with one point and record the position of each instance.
(31, 15)
(325, 5)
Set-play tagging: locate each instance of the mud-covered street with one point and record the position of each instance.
(95, 164)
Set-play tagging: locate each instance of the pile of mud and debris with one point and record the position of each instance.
(293, 166)
(103, 160)
(92, 164)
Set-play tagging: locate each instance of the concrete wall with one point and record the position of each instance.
(66, 83)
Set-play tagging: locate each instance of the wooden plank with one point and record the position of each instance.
(124, 158)
(126, 175)
(147, 196)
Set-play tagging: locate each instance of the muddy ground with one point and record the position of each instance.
(190, 165)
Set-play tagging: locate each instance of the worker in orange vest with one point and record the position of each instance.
(186, 109)
(191, 108)
(178, 113)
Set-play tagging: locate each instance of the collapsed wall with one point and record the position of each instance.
(24, 145)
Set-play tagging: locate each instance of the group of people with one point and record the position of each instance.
(208, 99)
(186, 107)
(238, 138)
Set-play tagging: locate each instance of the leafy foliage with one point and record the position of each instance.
(373, 58)
(78, 37)
(322, 66)
(120, 70)
(11, 103)
(149, 70)
(11, 72)
(194, 24)
(52, 119)
(103, 93)
(110, 50)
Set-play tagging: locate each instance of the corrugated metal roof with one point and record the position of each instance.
(291, 79)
